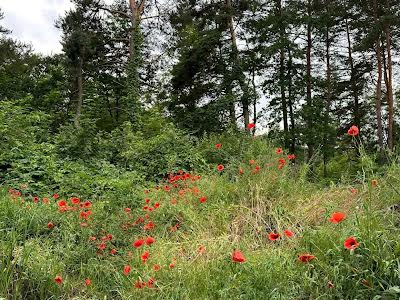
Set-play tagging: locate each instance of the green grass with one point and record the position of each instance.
(239, 213)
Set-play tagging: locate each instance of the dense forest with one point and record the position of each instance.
(246, 148)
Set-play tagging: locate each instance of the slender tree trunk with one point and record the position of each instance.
(356, 110)
(389, 84)
(282, 74)
(290, 103)
(253, 81)
(80, 93)
(136, 15)
(309, 85)
(328, 96)
(245, 101)
(379, 82)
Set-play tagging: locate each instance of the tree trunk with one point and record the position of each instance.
(310, 124)
(328, 96)
(245, 101)
(80, 93)
(353, 82)
(290, 103)
(389, 84)
(378, 106)
(282, 74)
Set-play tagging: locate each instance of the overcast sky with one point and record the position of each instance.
(32, 21)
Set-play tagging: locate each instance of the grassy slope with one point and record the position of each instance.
(239, 213)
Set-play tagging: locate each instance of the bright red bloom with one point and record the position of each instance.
(56, 196)
(289, 233)
(350, 243)
(127, 210)
(88, 281)
(252, 161)
(138, 243)
(279, 151)
(241, 171)
(306, 257)
(127, 270)
(353, 131)
(150, 283)
(35, 199)
(337, 217)
(274, 236)
(203, 199)
(147, 200)
(102, 246)
(218, 146)
(220, 168)
(202, 249)
(149, 226)
(251, 126)
(88, 204)
(58, 279)
(50, 225)
(92, 238)
(330, 285)
(156, 205)
(237, 256)
(75, 200)
(291, 157)
(167, 188)
(138, 284)
(62, 203)
(145, 256)
(171, 265)
(113, 251)
(150, 240)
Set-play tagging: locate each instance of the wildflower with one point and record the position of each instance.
(56, 196)
(145, 256)
(102, 246)
(45, 200)
(88, 204)
(149, 226)
(252, 161)
(62, 203)
(350, 243)
(171, 265)
(167, 188)
(354, 191)
(330, 285)
(218, 146)
(237, 256)
(138, 243)
(150, 240)
(147, 200)
(291, 157)
(156, 267)
(50, 225)
(75, 200)
(251, 126)
(127, 269)
(202, 249)
(173, 201)
(150, 283)
(88, 281)
(138, 284)
(220, 168)
(374, 182)
(203, 199)
(92, 238)
(156, 205)
(279, 151)
(274, 236)
(288, 233)
(337, 217)
(127, 210)
(241, 171)
(353, 131)
(306, 257)
(35, 199)
(58, 279)
(113, 251)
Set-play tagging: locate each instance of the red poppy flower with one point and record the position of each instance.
(350, 243)
(50, 225)
(138, 284)
(62, 203)
(354, 191)
(291, 157)
(330, 285)
(102, 246)
(203, 199)
(279, 151)
(374, 182)
(35, 199)
(337, 217)
(58, 279)
(75, 200)
(56, 196)
(251, 126)
(171, 265)
(138, 243)
(252, 161)
(88, 204)
(218, 146)
(306, 257)
(113, 251)
(156, 205)
(127, 269)
(127, 210)
(237, 256)
(274, 236)
(45, 200)
(150, 283)
(88, 281)
(147, 200)
(353, 131)
(156, 267)
(92, 238)
(289, 233)
(145, 256)
(202, 249)
(149, 226)
(220, 168)
(241, 171)
(167, 188)
(150, 240)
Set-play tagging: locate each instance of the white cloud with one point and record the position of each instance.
(33, 22)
